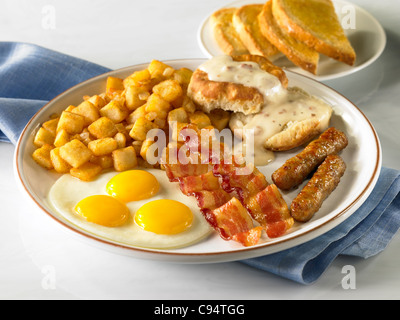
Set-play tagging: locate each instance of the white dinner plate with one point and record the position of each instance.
(362, 156)
(365, 33)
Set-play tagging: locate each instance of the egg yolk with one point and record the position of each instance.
(133, 185)
(164, 217)
(103, 210)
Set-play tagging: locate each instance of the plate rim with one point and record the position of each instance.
(198, 257)
(378, 53)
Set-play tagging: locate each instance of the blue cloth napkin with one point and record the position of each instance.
(365, 234)
(31, 76)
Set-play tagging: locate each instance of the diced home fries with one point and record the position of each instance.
(109, 130)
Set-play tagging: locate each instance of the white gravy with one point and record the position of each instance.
(224, 69)
(282, 107)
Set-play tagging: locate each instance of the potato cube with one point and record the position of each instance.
(42, 156)
(140, 129)
(106, 162)
(124, 159)
(85, 136)
(177, 103)
(43, 137)
(103, 128)
(119, 98)
(87, 172)
(139, 77)
(150, 155)
(169, 90)
(121, 128)
(62, 138)
(200, 119)
(59, 164)
(161, 123)
(129, 127)
(98, 101)
(157, 68)
(120, 138)
(158, 105)
(178, 115)
(183, 76)
(138, 113)
(115, 111)
(114, 86)
(169, 73)
(51, 125)
(87, 110)
(188, 105)
(135, 97)
(151, 116)
(75, 153)
(137, 145)
(102, 147)
(219, 118)
(176, 128)
(70, 108)
(71, 122)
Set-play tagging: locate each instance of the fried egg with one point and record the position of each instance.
(139, 208)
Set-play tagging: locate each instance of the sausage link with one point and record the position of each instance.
(320, 186)
(296, 169)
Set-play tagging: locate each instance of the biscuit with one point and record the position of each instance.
(210, 95)
(295, 132)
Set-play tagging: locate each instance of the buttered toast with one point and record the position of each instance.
(225, 34)
(296, 51)
(246, 24)
(315, 23)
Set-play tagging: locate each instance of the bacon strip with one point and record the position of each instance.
(203, 143)
(234, 222)
(231, 195)
(210, 200)
(270, 209)
(249, 238)
(204, 182)
(264, 202)
(245, 180)
(175, 169)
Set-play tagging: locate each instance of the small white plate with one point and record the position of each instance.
(362, 156)
(364, 32)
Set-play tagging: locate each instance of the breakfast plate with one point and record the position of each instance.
(362, 156)
(364, 32)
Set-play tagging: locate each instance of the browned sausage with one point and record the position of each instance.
(320, 186)
(296, 169)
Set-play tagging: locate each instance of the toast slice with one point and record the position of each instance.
(315, 23)
(296, 51)
(247, 26)
(225, 34)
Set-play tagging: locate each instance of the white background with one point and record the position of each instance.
(39, 261)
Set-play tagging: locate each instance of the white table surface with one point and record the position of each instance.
(40, 261)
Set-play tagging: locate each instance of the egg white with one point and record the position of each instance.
(68, 191)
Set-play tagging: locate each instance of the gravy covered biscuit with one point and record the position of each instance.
(239, 83)
(288, 123)
(266, 112)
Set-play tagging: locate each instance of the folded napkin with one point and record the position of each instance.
(32, 75)
(366, 233)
